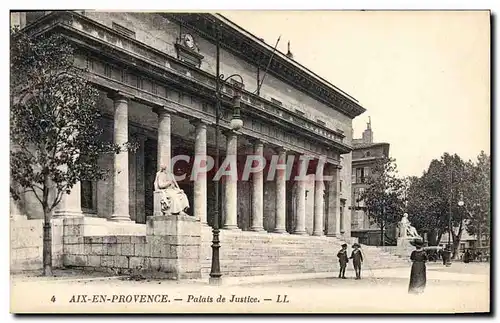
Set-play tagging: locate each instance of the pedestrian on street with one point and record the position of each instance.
(343, 260)
(445, 254)
(467, 256)
(357, 259)
(418, 275)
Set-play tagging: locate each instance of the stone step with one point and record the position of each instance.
(248, 253)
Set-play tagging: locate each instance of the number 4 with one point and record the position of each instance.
(53, 299)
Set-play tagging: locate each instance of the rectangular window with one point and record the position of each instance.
(360, 175)
(88, 194)
(107, 70)
(367, 172)
(340, 186)
(359, 195)
(124, 30)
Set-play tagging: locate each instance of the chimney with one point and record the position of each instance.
(368, 133)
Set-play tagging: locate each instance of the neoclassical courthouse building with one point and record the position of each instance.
(157, 74)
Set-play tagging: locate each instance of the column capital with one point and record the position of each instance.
(332, 166)
(282, 150)
(162, 110)
(120, 95)
(230, 132)
(198, 121)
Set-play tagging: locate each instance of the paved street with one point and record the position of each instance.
(459, 288)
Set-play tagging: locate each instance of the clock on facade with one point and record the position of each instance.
(189, 41)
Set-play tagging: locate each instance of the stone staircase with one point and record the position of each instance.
(245, 253)
(377, 258)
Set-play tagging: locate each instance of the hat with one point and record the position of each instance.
(344, 245)
(356, 245)
(417, 243)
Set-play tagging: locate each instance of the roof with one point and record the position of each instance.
(368, 144)
(282, 55)
(253, 50)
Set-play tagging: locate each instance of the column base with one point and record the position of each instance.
(317, 234)
(215, 281)
(300, 233)
(280, 231)
(231, 227)
(333, 235)
(257, 229)
(67, 213)
(120, 218)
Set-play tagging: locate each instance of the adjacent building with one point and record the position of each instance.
(365, 155)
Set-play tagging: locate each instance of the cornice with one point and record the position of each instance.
(256, 53)
(251, 104)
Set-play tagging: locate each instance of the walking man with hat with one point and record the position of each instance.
(357, 259)
(343, 260)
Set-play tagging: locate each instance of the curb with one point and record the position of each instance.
(63, 279)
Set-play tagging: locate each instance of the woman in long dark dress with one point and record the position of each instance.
(418, 276)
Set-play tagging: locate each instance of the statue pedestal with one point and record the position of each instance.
(174, 242)
(404, 247)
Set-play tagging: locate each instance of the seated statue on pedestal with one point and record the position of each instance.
(173, 199)
(406, 230)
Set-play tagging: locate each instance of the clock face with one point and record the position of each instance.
(189, 41)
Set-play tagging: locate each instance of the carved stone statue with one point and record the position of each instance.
(406, 230)
(173, 200)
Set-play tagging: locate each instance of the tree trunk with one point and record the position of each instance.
(433, 237)
(455, 243)
(47, 242)
(382, 238)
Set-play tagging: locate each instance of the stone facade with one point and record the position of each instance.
(159, 91)
(365, 155)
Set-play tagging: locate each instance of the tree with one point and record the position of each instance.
(433, 199)
(385, 195)
(477, 197)
(54, 129)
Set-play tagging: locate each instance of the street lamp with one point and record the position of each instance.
(236, 124)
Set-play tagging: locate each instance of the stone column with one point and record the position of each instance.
(319, 204)
(258, 192)
(164, 144)
(120, 178)
(15, 209)
(231, 183)
(71, 204)
(333, 229)
(164, 151)
(281, 192)
(200, 181)
(300, 221)
(140, 189)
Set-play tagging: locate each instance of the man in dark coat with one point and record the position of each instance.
(357, 259)
(343, 260)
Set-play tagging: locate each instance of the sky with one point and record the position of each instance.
(422, 76)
